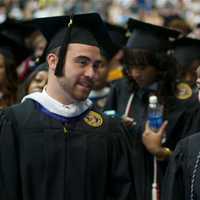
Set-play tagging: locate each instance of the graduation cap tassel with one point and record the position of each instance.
(155, 195)
(63, 49)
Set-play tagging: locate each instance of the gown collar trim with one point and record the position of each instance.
(55, 107)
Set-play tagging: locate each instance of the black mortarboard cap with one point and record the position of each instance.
(83, 28)
(18, 50)
(186, 50)
(149, 36)
(117, 34)
(17, 30)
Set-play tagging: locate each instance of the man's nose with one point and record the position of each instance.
(90, 71)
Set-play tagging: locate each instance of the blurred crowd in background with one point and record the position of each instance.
(182, 15)
(115, 11)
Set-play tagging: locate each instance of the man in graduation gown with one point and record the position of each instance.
(54, 145)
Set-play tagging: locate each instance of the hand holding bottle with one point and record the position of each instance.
(153, 140)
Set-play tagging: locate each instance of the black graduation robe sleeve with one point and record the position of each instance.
(121, 175)
(118, 96)
(174, 184)
(193, 115)
(9, 167)
(111, 102)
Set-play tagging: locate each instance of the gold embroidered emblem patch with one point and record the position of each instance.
(184, 91)
(93, 119)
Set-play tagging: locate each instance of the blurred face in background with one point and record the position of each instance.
(198, 81)
(39, 45)
(143, 76)
(191, 75)
(198, 74)
(2, 69)
(38, 82)
(101, 75)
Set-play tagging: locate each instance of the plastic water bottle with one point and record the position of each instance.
(155, 113)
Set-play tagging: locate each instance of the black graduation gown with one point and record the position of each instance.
(193, 116)
(182, 177)
(118, 96)
(118, 99)
(40, 161)
(181, 120)
(143, 168)
(180, 124)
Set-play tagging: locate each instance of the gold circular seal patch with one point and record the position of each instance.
(93, 119)
(184, 91)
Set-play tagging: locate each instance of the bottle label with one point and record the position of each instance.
(155, 121)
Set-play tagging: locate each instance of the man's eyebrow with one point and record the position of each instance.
(87, 58)
(81, 57)
(99, 61)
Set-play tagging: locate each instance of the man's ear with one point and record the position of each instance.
(52, 60)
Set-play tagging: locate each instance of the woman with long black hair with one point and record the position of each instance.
(150, 70)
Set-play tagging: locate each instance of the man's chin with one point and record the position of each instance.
(81, 97)
(35, 90)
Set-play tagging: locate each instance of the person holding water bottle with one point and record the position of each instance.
(149, 71)
(156, 127)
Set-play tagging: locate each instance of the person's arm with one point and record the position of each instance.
(173, 186)
(121, 185)
(111, 102)
(153, 141)
(9, 168)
